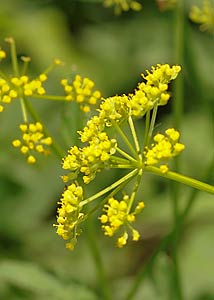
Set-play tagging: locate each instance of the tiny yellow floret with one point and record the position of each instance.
(31, 159)
(2, 54)
(164, 169)
(16, 143)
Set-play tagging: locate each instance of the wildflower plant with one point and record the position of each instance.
(109, 140)
(102, 149)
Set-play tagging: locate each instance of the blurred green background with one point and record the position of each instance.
(113, 51)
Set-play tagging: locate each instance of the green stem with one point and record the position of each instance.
(134, 191)
(13, 52)
(49, 97)
(145, 142)
(134, 135)
(114, 192)
(152, 124)
(117, 159)
(182, 179)
(179, 55)
(126, 140)
(50, 68)
(24, 110)
(192, 198)
(176, 288)
(125, 154)
(26, 61)
(99, 266)
(109, 188)
(58, 151)
(118, 166)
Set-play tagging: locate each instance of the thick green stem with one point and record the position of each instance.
(182, 179)
(99, 265)
(178, 97)
(24, 110)
(176, 288)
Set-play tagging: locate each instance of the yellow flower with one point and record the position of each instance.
(90, 159)
(81, 91)
(114, 109)
(69, 214)
(2, 54)
(122, 241)
(101, 151)
(203, 16)
(123, 5)
(164, 169)
(154, 90)
(7, 93)
(33, 141)
(164, 148)
(117, 216)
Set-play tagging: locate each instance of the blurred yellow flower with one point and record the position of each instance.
(203, 16)
(122, 5)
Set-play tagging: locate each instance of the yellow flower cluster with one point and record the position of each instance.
(7, 94)
(164, 148)
(69, 214)
(203, 16)
(90, 159)
(20, 86)
(100, 150)
(27, 87)
(154, 90)
(117, 216)
(94, 126)
(147, 95)
(33, 140)
(114, 109)
(30, 87)
(81, 91)
(123, 5)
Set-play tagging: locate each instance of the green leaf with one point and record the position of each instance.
(32, 278)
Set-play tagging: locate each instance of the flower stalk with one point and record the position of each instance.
(182, 179)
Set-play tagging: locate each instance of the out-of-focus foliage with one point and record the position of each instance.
(113, 51)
